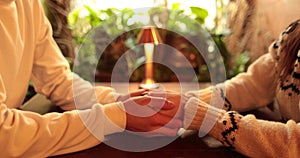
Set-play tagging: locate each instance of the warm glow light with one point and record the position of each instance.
(149, 49)
(149, 81)
(150, 38)
(154, 36)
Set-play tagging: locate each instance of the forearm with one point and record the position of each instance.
(246, 134)
(258, 138)
(85, 94)
(28, 134)
(72, 92)
(247, 91)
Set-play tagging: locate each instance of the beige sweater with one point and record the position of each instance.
(256, 88)
(28, 53)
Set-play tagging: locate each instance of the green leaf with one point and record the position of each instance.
(111, 11)
(73, 16)
(91, 11)
(200, 13)
(94, 18)
(176, 6)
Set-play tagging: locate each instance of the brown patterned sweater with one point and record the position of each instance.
(255, 88)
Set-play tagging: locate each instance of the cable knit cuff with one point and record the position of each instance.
(216, 122)
(216, 92)
(198, 115)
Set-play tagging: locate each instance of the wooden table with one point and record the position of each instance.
(189, 147)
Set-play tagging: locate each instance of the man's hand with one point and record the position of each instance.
(153, 115)
(178, 100)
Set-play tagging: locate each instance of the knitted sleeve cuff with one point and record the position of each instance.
(216, 92)
(218, 123)
(104, 120)
(198, 115)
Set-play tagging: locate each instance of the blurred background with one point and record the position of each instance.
(241, 29)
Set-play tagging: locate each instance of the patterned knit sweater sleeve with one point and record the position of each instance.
(246, 134)
(249, 90)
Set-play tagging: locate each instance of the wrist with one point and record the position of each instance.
(115, 117)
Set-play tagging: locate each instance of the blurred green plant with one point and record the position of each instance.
(84, 19)
(178, 19)
(112, 22)
(107, 24)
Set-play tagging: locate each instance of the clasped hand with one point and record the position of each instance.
(153, 114)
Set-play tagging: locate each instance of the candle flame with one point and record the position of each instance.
(149, 49)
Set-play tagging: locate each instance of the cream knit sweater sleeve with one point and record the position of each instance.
(245, 134)
(249, 90)
(51, 75)
(28, 134)
(30, 50)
